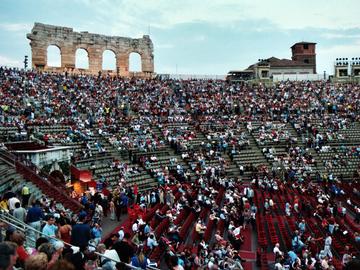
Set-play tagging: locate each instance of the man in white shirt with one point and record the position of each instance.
(237, 231)
(277, 251)
(12, 201)
(121, 233)
(135, 227)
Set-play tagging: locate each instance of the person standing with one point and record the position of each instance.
(8, 255)
(33, 218)
(25, 193)
(124, 249)
(346, 257)
(118, 207)
(327, 246)
(50, 229)
(96, 232)
(81, 234)
(19, 212)
(65, 231)
(112, 210)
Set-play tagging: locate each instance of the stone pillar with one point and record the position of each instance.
(95, 59)
(147, 62)
(122, 62)
(39, 54)
(68, 56)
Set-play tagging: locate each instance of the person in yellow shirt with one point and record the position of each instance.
(4, 205)
(25, 192)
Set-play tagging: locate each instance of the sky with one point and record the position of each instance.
(193, 36)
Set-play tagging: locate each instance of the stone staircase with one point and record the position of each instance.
(18, 173)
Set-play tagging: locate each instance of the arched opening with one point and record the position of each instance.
(58, 176)
(109, 60)
(135, 62)
(81, 59)
(53, 56)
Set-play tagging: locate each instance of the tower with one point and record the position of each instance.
(304, 52)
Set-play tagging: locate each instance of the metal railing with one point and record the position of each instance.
(7, 218)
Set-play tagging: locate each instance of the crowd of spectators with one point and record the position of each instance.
(129, 113)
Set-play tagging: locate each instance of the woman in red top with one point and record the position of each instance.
(65, 232)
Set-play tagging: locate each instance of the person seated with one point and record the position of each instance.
(200, 228)
(151, 241)
(277, 252)
(219, 239)
(173, 233)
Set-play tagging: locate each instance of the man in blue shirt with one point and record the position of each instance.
(81, 234)
(33, 218)
(50, 229)
(96, 232)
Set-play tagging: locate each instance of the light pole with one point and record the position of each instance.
(25, 62)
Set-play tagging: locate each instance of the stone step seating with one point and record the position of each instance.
(281, 152)
(79, 146)
(8, 130)
(247, 157)
(181, 127)
(54, 129)
(350, 134)
(232, 169)
(58, 130)
(95, 159)
(112, 176)
(352, 163)
(8, 176)
(112, 149)
(136, 154)
(161, 162)
(158, 132)
(212, 136)
(268, 142)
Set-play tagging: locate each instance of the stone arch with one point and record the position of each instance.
(81, 58)
(58, 176)
(53, 55)
(109, 60)
(43, 34)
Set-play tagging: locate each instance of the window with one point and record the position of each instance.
(343, 72)
(264, 74)
(306, 46)
(306, 61)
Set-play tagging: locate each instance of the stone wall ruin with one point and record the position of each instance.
(42, 36)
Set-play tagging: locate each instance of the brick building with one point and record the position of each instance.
(303, 61)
